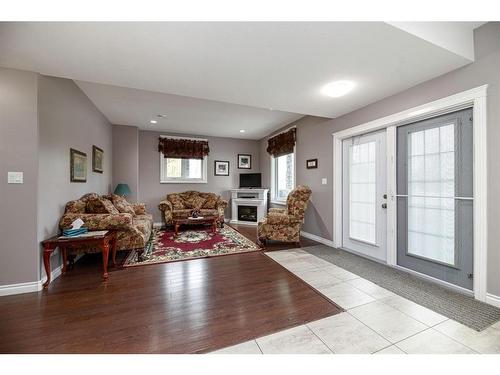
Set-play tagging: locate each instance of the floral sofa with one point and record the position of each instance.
(180, 205)
(284, 224)
(112, 212)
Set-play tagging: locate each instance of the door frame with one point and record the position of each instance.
(475, 98)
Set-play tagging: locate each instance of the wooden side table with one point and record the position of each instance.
(103, 241)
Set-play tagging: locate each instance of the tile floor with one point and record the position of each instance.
(376, 321)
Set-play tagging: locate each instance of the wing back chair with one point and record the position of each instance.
(284, 224)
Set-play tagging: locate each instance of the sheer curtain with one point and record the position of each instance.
(362, 191)
(431, 190)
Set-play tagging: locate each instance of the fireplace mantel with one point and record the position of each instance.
(248, 197)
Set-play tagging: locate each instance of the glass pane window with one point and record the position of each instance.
(180, 170)
(431, 189)
(284, 179)
(362, 192)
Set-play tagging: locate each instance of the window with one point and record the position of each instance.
(283, 179)
(173, 170)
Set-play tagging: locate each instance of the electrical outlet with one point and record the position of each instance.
(324, 181)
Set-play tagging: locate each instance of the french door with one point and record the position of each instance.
(435, 199)
(364, 228)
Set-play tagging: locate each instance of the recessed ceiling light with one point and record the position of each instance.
(338, 88)
(153, 121)
(242, 130)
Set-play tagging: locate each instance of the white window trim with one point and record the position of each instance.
(273, 177)
(476, 98)
(203, 180)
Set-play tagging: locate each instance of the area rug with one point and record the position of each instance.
(195, 242)
(457, 306)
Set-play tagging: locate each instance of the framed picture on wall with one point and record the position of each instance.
(312, 163)
(97, 159)
(78, 166)
(244, 161)
(221, 168)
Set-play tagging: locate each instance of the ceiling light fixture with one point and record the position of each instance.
(242, 130)
(153, 121)
(161, 116)
(338, 88)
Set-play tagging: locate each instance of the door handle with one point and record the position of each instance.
(384, 205)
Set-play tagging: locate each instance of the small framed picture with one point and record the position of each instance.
(78, 166)
(244, 161)
(97, 159)
(221, 168)
(312, 163)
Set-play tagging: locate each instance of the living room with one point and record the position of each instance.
(234, 192)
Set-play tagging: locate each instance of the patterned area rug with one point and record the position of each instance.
(191, 244)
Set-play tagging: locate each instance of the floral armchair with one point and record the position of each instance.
(180, 205)
(284, 224)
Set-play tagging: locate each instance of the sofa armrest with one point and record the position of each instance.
(221, 203)
(165, 205)
(277, 210)
(139, 208)
(281, 219)
(99, 221)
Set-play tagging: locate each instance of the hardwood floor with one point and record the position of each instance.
(184, 307)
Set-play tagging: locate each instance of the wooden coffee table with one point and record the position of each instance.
(211, 220)
(103, 241)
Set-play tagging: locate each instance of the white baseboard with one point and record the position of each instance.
(7, 290)
(316, 238)
(32, 286)
(492, 299)
(158, 225)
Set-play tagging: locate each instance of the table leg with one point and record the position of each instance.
(46, 262)
(113, 249)
(64, 259)
(105, 256)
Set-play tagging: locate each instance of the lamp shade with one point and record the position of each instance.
(122, 189)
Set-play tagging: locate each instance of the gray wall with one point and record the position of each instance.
(152, 192)
(67, 119)
(126, 158)
(18, 152)
(315, 138)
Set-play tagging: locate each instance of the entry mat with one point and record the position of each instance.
(454, 305)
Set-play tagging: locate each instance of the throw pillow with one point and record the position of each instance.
(122, 205)
(211, 202)
(75, 207)
(100, 206)
(196, 202)
(176, 200)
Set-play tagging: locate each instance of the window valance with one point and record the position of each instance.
(181, 148)
(282, 143)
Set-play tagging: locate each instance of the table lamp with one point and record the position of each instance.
(123, 190)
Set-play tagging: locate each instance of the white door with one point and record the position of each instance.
(364, 209)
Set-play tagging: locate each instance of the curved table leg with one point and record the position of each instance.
(105, 256)
(46, 262)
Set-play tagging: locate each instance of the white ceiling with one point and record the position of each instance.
(184, 114)
(279, 65)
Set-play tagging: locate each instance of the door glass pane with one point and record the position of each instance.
(362, 205)
(431, 188)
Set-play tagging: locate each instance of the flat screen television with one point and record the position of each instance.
(250, 180)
